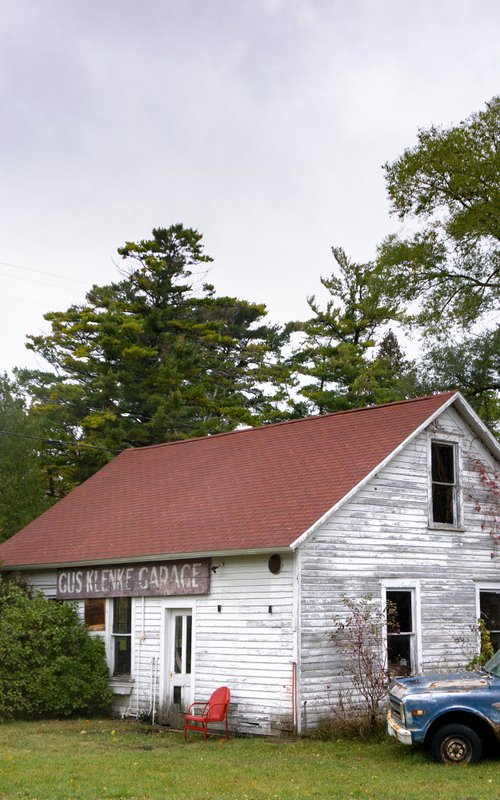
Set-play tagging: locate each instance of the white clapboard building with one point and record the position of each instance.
(224, 560)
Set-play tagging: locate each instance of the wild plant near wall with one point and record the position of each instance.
(487, 501)
(477, 633)
(486, 650)
(49, 665)
(361, 636)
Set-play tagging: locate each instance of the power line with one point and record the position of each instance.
(41, 272)
(23, 300)
(33, 280)
(59, 442)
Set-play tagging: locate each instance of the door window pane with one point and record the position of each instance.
(182, 643)
(178, 645)
(178, 695)
(189, 628)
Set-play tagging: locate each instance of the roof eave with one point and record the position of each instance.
(144, 559)
(477, 425)
(465, 410)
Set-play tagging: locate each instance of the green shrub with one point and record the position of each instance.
(49, 665)
(486, 650)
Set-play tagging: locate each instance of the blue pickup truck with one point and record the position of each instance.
(454, 715)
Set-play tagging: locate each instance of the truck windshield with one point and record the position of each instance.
(493, 665)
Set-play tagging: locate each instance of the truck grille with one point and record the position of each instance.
(396, 708)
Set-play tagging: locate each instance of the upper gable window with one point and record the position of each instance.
(444, 474)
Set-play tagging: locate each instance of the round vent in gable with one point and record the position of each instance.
(275, 563)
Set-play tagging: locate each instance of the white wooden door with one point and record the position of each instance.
(180, 661)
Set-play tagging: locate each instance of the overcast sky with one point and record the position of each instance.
(263, 123)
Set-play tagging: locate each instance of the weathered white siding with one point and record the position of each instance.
(382, 534)
(45, 582)
(244, 645)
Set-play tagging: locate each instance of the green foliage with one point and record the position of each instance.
(390, 376)
(332, 357)
(486, 648)
(120, 759)
(24, 477)
(154, 358)
(471, 365)
(49, 665)
(361, 636)
(450, 181)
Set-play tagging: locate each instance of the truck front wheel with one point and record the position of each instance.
(456, 744)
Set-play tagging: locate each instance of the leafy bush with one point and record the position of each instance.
(49, 665)
(486, 650)
(361, 636)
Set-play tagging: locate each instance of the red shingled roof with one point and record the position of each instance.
(251, 489)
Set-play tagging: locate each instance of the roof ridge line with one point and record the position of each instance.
(311, 417)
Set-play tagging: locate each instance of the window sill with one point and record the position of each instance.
(121, 686)
(441, 526)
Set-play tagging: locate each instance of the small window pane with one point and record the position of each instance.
(399, 655)
(443, 466)
(95, 614)
(443, 504)
(401, 618)
(122, 655)
(122, 628)
(490, 612)
(122, 616)
(400, 632)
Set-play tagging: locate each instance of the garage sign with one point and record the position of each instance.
(163, 578)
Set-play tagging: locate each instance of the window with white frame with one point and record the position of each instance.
(445, 498)
(402, 645)
(121, 635)
(489, 607)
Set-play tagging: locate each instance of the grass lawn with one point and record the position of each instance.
(96, 760)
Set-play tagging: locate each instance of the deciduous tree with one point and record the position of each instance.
(25, 478)
(449, 184)
(471, 365)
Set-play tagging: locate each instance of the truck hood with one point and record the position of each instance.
(440, 682)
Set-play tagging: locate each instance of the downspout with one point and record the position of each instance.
(138, 667)
(296, 644)
(156, 669)
(151, 676)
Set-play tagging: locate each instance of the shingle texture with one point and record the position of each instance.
(250, 489)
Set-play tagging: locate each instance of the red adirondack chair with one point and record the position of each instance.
(214, 710)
